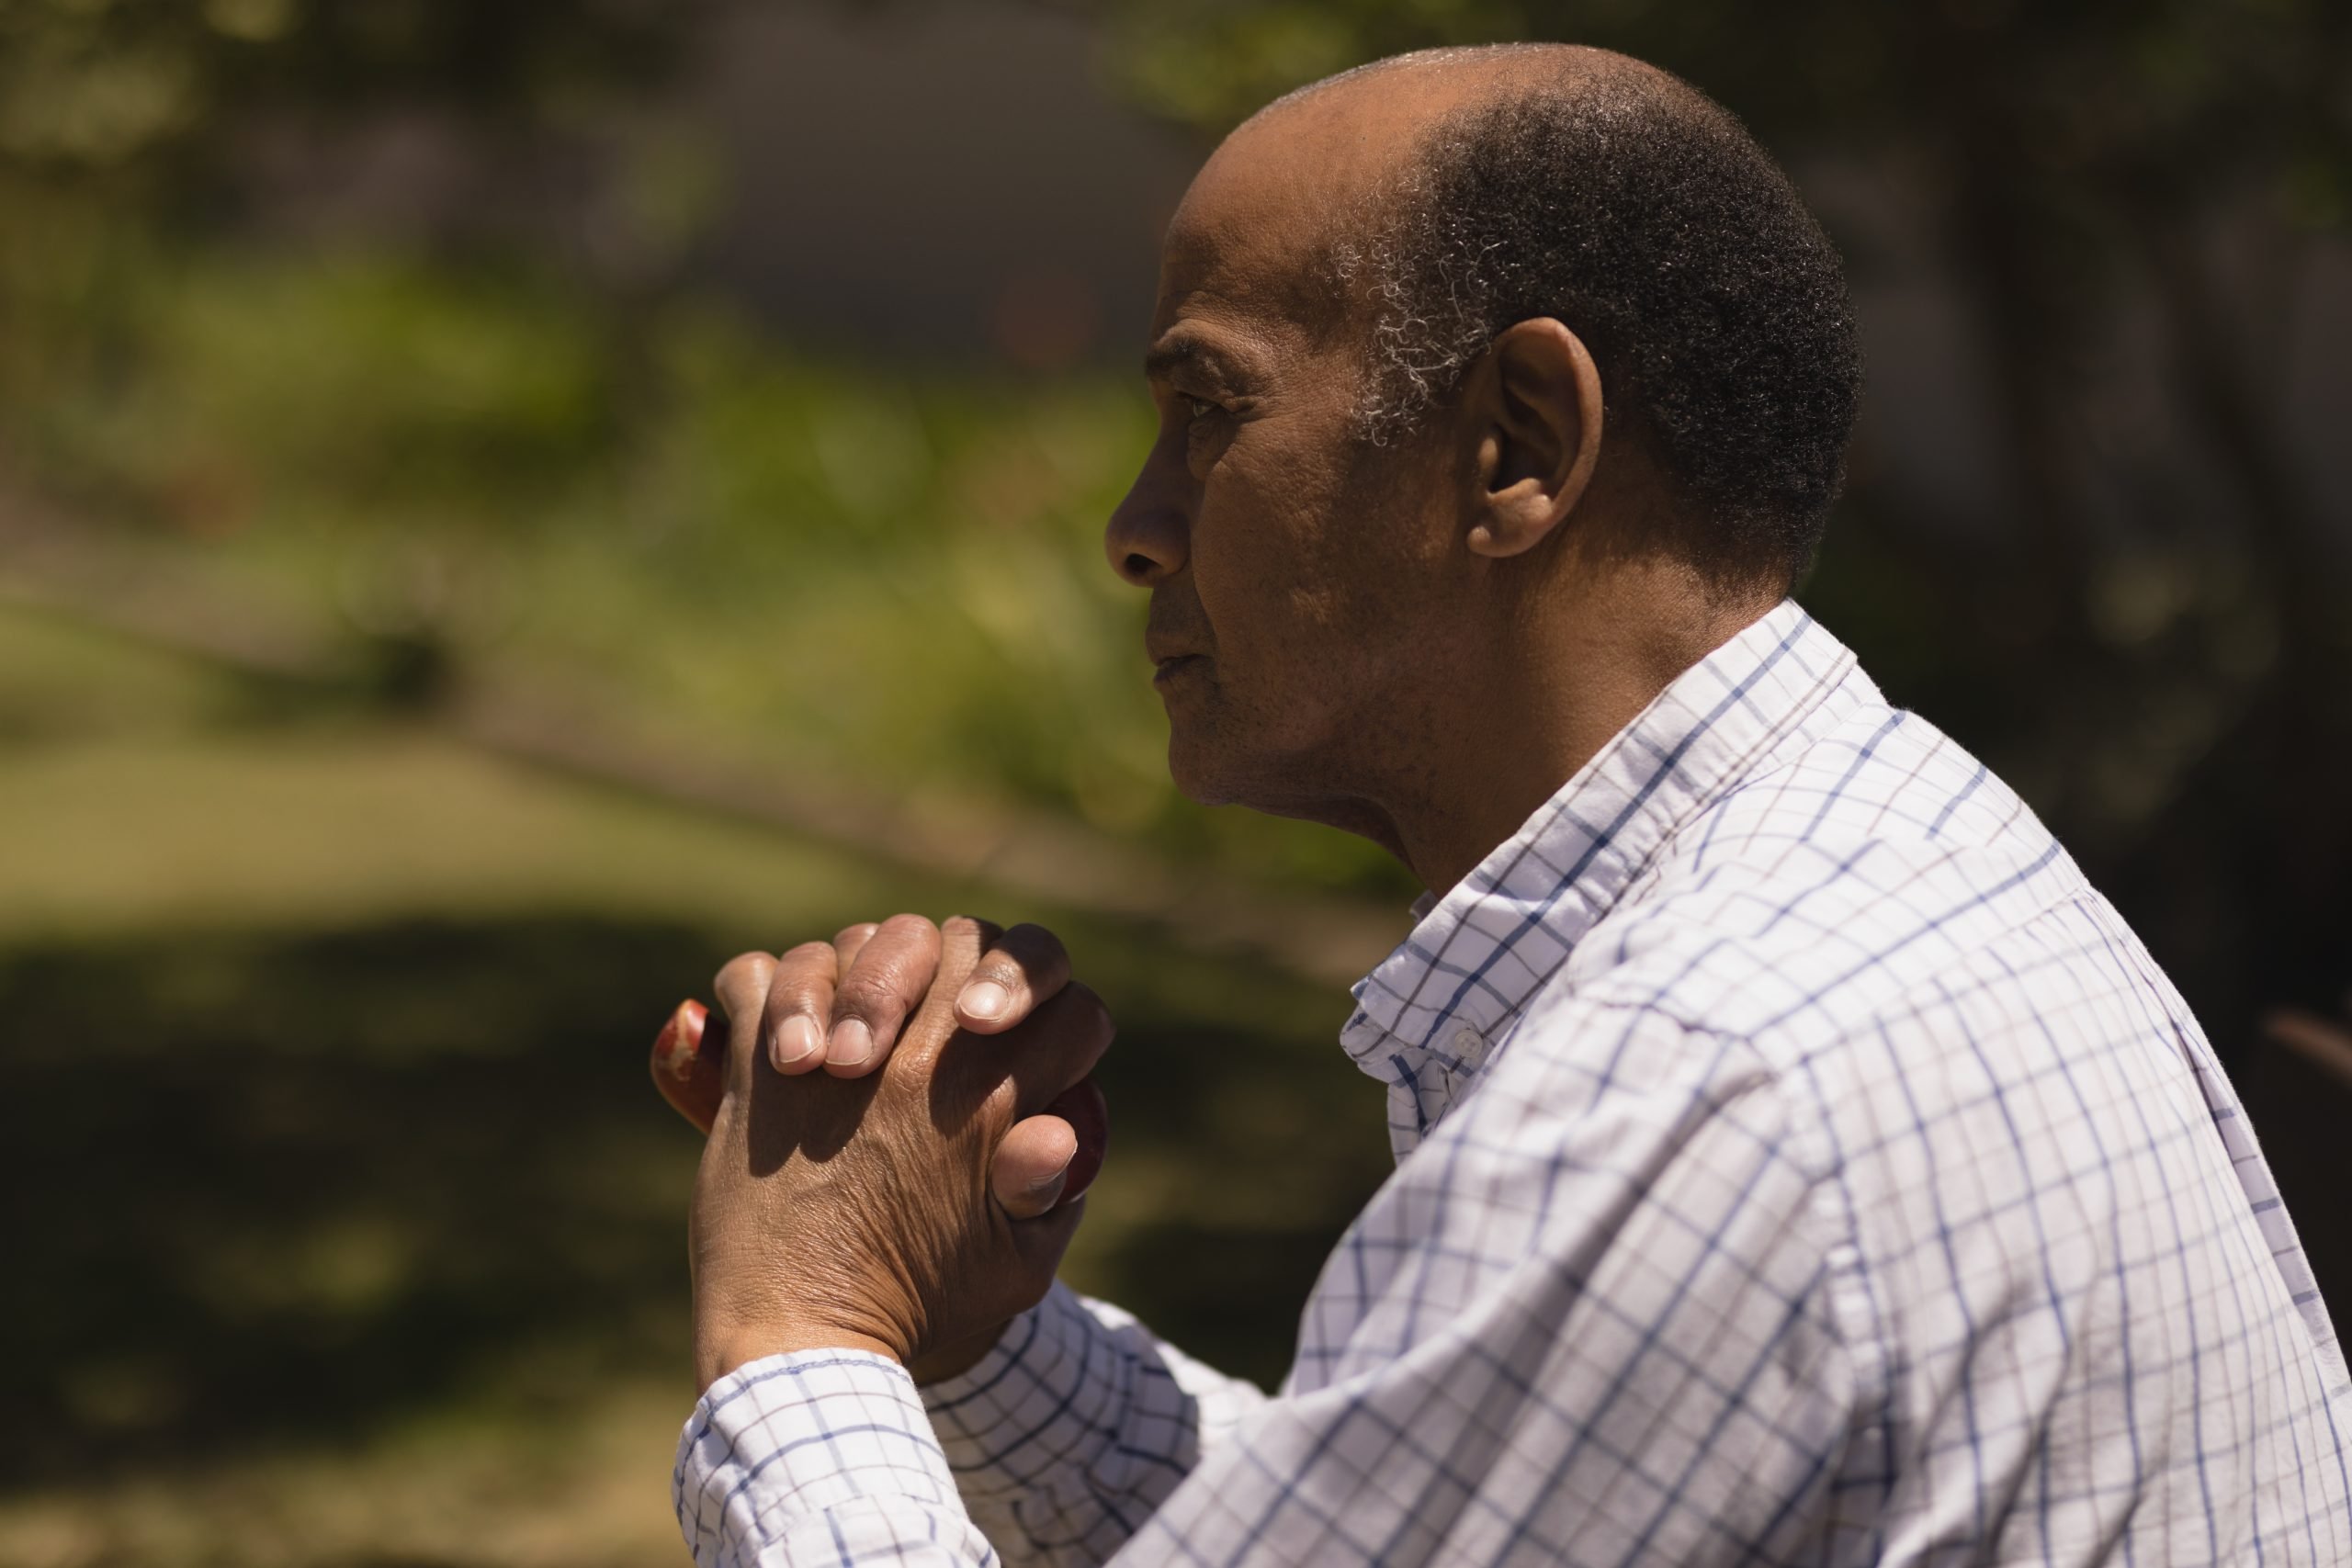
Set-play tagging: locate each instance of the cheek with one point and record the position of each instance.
(1270, 556)
(1301, 607)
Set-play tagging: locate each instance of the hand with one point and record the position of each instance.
(859, 1213)
(881, 974)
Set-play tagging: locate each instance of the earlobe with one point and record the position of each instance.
(1538, 409)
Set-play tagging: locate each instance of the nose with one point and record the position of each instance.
(1148, 536)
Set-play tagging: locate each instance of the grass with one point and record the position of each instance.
(345, 1229)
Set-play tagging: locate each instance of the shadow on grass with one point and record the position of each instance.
(272, 1188)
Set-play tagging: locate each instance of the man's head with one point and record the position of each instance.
(1460, 357)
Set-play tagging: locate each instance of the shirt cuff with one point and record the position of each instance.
(786, 1437)
(1046, 1395)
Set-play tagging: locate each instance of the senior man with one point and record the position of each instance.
(1796, 1160)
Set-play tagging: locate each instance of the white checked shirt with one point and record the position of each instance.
(1797, 1163)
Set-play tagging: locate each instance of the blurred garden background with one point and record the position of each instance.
(504, 505)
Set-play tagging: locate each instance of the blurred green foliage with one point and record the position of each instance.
(135, 90)
(896, 573)
(500, 451)
(475, 448)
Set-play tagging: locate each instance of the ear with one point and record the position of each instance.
(1534, 413)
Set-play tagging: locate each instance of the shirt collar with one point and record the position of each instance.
(1478, 955)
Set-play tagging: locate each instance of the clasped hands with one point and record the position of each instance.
(901, 1129)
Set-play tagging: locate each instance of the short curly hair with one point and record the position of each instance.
(1623, 202)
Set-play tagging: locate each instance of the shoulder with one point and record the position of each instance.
(1824, 889)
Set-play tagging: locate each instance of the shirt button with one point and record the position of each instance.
(1464, 1041)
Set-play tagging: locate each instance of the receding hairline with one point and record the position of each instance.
(1473, 77)
(1521, 67)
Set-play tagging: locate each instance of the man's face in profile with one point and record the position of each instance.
(1288, 560)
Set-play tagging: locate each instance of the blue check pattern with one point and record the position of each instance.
(1797, 1163)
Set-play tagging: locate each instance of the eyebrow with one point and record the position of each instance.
(1165, 358)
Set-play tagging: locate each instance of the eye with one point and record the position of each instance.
(1199, 409)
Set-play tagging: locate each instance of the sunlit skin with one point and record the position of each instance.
(1418, 642)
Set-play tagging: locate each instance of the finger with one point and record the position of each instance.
(894, 969)
(1032, 1165)
(962, 940)
(1025, 967)
(1088, 1115)
(691, 1079)
(799, 1002)
(1040, 1243)
(741, 989)
(850, 940)
(1060, 1044)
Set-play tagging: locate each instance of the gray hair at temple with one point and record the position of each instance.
(1620, 200)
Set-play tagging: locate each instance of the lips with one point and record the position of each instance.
(1170, 668)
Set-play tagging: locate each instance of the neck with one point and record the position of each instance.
(1550, 697)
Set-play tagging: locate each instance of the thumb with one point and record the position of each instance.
(1050, 1159)
(691, 1079)
(1032, 1165)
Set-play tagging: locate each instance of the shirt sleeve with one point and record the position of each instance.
(1078, 1423)
(1060, 1442)
(818, 1455)
(1597, 1316)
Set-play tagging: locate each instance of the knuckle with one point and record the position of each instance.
(907, 925)
(1077, 1013)
(1004, 968)
(743, 978)
(871, 993)
(797, 994)
(802, 973)
(985, 931)
(858, 931)
(1097, 1015)
(868, 1002)
(1036, 940)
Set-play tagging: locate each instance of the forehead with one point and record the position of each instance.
(1251, 247)
(1258, 237)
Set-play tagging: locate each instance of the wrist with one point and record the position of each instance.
(944, 1361)
(718, 1355)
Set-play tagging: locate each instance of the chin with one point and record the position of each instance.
(1278, 784)
(1200, 772)
(1213, 761)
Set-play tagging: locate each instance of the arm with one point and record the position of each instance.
(1598, 1316)
(1602, 1315)
(1062, 1440)
(819, 1457)
(1076, 1426)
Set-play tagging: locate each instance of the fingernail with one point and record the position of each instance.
(853, 1042)
(1049, 1192)
(796, 1039)
(1042, 1182)
(986, 999)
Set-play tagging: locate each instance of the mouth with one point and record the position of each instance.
(1174, 668)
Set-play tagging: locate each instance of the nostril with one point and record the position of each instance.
(1139, 565)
